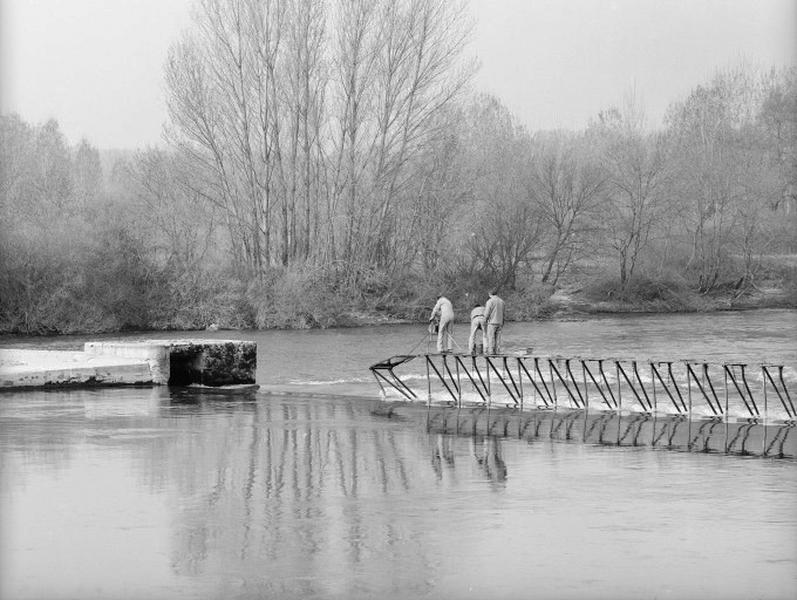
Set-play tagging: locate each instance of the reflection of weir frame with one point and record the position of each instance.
(663, 396)
(672, 432)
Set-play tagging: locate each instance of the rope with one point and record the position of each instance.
(429, 337)
(426, 338)
(433, 342)
(451, 337)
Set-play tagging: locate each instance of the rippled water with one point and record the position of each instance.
(158, 493)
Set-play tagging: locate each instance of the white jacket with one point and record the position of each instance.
(444, 308)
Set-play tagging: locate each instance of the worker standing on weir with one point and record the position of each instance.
(494, 321)
(476, 327)
(445, 330)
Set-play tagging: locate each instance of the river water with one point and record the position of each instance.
(301, 491)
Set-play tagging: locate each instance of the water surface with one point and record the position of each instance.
(158, 493)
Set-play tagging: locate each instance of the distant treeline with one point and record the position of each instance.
(326, 162)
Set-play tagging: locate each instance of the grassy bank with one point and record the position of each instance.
(65, 299)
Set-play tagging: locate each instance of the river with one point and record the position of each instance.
(300, 491)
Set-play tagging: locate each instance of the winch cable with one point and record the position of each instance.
(425, 338)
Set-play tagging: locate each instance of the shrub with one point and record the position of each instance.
(531, 302)
(645, 293)
(299, 297)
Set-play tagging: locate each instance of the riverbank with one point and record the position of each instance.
(565, 304)
(576, 301)
(316, 307)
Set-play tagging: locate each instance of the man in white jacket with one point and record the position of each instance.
(445, 331)
(494, 320)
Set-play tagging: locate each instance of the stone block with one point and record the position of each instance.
(213, 363)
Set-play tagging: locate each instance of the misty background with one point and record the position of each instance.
(314, 163)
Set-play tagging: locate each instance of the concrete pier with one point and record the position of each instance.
(133, 362)
(42, 368)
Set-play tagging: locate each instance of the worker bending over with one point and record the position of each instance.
(445, 330)
(476, 327)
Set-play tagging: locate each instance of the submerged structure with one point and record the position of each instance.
(690, 405)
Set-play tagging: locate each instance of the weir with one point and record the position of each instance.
(691, 405)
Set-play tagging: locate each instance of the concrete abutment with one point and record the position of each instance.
(178, 362)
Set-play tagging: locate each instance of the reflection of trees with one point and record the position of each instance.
(283, 484)
(306, 494)
(283, 490)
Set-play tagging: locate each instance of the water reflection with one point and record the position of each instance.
(487, 452)
(278, 496)
(286, 482)
(742, 437)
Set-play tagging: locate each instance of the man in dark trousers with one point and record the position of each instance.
(494, 321)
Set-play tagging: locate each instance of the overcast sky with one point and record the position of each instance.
(97, 65)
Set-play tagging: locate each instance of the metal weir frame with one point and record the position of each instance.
(676, 398)
(603, 387)
(524, 380)
(780, 389)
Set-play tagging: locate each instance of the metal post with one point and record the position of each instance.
(489, 386)
(520, 414)
(653, 382)
(725, 375)
(428, 392)
(459, 387)
(586, 403)
(655, 406)
(689, 425)
(793, 413)
(382, 391)
(586, 390)
(766, 415)
(520, 383)
(619, 400)
(555, 398)
(428, 382)
(459, 404)
(726, 412)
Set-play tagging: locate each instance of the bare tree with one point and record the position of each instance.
(637, 171)
(223, 105)
(396, 74)
(777, 125)
(87, 176)
(304, 118)
(710, 132)
(502, 223)
(566, 184)
(180, 228)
